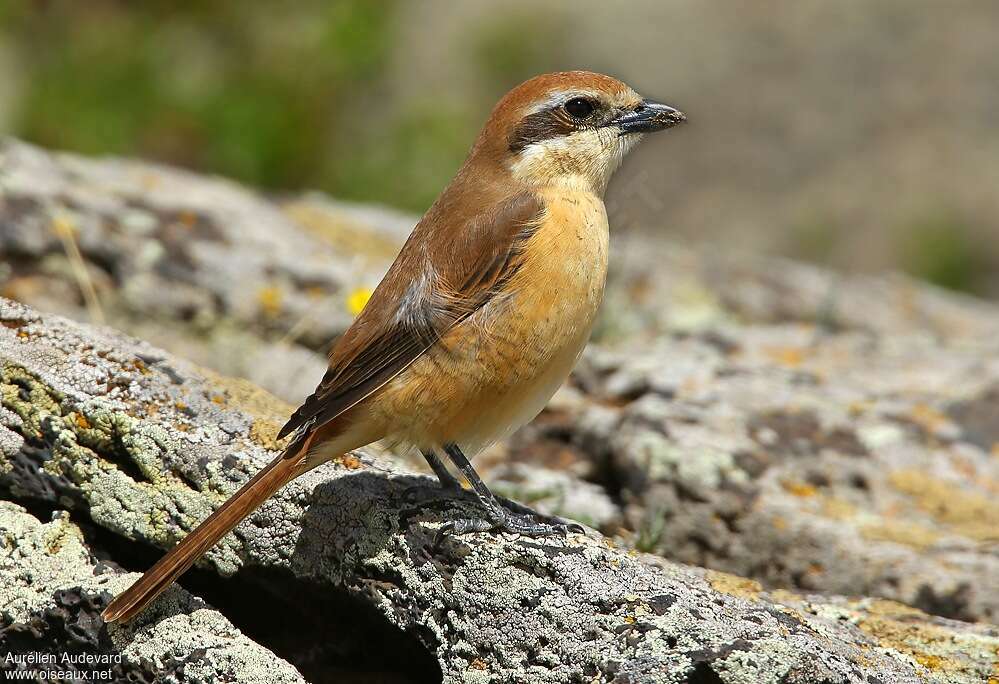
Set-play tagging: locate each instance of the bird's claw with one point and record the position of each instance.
(525, 525)
(530, 527)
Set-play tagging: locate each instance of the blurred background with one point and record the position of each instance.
(856, 134)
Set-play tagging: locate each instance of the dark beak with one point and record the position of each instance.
(647, 117)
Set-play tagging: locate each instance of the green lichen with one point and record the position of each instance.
(31, 400)
(702, 467)
(116, 461)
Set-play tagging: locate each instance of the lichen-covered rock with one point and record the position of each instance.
(847, 463)
(804, 393)
(52, 594)
(657, 285)
(197, 264)
(142, 445)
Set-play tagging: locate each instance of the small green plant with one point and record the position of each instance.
(942, 249)
(650, 530)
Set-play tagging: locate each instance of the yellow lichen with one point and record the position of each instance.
(927, 417)
(930, 662)
(858, 408)
(270, 299)
(246, 396)
(264, 432)
(792, 357)
(910, 631)
(838, 509)
(348, 235)
(959, 508)
(733, 585)
(783, 596)
(799, 489)
(900, 532)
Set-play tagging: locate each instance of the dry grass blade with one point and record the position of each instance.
(63, 227)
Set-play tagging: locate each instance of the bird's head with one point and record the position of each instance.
(570, 128)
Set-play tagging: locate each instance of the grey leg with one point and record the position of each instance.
(447, 480)
(496, 516)
(450, 486)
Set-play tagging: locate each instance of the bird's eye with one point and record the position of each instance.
(579, 107)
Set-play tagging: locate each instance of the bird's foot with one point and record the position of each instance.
(504, 521)
(497, 517)
(529, 526)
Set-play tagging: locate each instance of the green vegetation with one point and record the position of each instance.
(941, 248)
(265, 96)
(282, 96)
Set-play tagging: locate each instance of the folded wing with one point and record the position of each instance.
(449, 268)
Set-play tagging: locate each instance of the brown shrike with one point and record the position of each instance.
(481, 317)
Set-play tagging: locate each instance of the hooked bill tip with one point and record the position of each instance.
(648, 117)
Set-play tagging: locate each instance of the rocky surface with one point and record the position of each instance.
(200, 265)
(52, 593)
(138, 445)
(849, 463)
(810, 431)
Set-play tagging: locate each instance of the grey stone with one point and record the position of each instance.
(129, 437)
(194, 263)
(854, 462)
(816, 432)
(52, 594)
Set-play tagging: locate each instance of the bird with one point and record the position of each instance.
(480, 318)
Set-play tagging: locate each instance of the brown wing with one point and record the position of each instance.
(444, 273)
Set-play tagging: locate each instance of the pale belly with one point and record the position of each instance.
(497, 370)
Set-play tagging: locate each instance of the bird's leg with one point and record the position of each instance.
(497, 517)
(447, 480)
(449, 484)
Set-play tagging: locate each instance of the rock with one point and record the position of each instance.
(140, 445)
(854, 462)
(198, 264)
(52, 594)
(659, 286)
(812, 431)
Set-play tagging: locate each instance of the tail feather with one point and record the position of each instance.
(177, 560)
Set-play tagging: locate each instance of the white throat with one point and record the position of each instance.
(582, 160)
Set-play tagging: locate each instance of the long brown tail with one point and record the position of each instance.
(177, 560)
